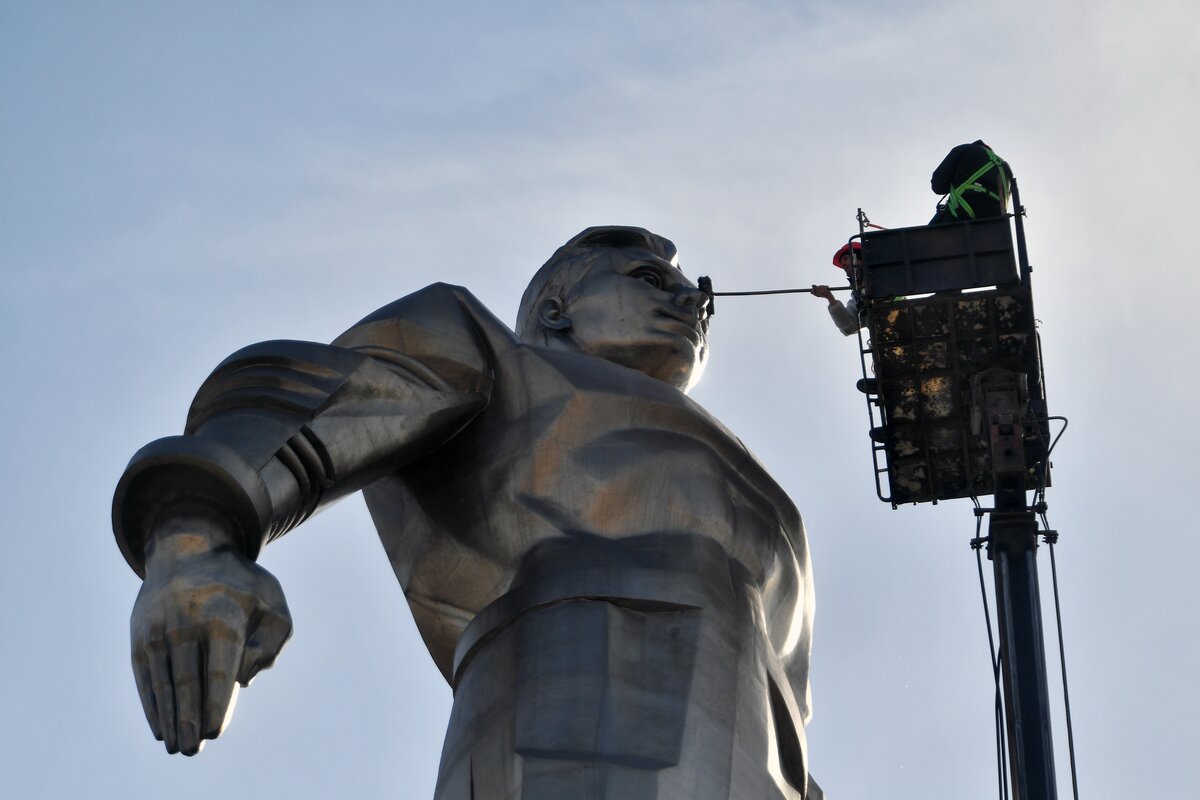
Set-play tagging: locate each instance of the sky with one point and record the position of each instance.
(178, 180)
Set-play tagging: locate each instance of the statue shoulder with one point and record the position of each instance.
(439, 317)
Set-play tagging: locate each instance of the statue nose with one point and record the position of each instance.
(686, 296)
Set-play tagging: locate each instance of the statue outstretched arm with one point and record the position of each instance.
(279, 430)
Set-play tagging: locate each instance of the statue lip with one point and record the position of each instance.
(684, 317)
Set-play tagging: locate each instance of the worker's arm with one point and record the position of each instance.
(846, 318)
(943, 177)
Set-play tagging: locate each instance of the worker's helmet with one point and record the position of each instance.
(843, 250)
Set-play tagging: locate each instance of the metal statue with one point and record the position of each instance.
(616, 590)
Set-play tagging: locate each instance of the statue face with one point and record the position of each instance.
(636, 309)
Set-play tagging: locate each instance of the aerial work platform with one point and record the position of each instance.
(952, 370)
(949, 317)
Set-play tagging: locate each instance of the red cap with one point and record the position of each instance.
(843, 250)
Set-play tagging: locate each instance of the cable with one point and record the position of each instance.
(1062, 656)
(1040, 492)
(1001, 749)
(1063, 420)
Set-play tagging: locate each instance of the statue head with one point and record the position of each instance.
(616, 292)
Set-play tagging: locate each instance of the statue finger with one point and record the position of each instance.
(263, 646)
(164, 692)
(186, 664)
(145, 687)
(223, 656)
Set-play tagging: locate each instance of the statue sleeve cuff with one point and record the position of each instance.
(188, 469)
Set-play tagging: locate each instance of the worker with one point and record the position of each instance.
(975, 182)
(852, 315)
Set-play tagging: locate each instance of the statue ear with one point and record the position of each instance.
(550, 314)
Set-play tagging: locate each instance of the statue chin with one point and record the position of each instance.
(679, 363)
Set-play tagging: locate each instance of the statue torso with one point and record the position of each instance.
(573, 446)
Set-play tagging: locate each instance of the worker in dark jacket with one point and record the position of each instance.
(975, 181)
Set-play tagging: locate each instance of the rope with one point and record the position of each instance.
(865, 222)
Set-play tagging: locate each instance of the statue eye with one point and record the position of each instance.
(648, 276)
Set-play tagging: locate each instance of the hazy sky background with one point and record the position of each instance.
(181, 179)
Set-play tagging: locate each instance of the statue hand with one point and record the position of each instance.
(205, 616)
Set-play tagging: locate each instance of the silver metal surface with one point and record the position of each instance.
(617, 591)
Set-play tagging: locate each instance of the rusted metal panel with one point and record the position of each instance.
(925, 353)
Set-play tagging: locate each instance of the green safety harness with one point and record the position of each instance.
(955, 198)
